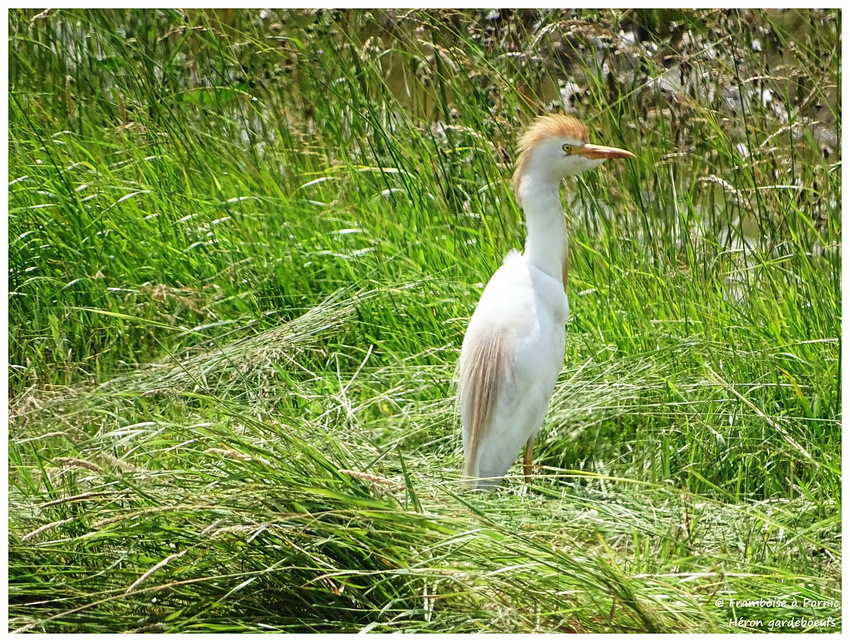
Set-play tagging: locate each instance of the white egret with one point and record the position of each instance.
(513, 350)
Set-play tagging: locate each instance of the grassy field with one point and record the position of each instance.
(243, 250)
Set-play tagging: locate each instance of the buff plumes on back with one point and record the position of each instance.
(481, 374)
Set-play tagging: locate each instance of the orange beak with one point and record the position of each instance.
(600, 151)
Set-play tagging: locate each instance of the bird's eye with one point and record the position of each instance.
(568, 149)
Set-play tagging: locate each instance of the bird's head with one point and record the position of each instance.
(555, 146)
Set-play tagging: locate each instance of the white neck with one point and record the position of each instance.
(546, 245)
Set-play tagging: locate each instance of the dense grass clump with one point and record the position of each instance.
(243, 248)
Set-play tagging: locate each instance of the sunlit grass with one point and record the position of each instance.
(243, 252)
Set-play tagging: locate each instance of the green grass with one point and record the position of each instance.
(243, 250)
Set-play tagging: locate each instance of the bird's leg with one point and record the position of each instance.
(526, 460)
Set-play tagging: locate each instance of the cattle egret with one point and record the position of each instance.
(514, 346)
